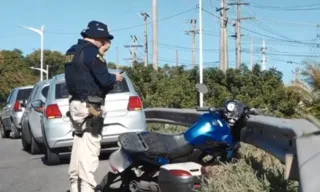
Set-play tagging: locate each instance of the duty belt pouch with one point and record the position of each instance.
(94, 103)
(95, 123)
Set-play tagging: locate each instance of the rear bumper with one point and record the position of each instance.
(58, 134)
(16, 117)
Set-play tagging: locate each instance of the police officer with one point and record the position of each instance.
(88, 82)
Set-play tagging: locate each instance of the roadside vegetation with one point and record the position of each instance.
(173, 87)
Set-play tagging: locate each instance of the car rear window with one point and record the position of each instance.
(23, 94)
(62, 91)
(120, 87)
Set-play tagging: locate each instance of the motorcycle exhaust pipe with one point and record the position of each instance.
(142, 186)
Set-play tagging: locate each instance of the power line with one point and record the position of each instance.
(289, 55)
(293, 6)
(313, 25)
(288, 8)
(132, 27)
(263, 26)
(271, 38)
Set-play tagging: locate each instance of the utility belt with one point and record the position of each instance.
(94, 121)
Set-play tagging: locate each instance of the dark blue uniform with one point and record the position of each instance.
(86, 71)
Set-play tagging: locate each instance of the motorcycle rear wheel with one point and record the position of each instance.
(110, 178)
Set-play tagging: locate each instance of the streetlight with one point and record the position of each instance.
(40, 32)
(42, 70)
(200, 51)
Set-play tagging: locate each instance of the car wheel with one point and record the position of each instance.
(3, 132)
(25, 145)
(15, 134)
(52, 157)
(35, 148)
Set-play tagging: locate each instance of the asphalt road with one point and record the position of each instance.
(23, 172)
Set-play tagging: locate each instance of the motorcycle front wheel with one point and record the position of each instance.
(116, 182)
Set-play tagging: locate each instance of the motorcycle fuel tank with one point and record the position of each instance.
(209, 127)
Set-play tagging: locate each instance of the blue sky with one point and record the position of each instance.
(64, 21)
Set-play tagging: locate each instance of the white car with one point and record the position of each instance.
(124, 114)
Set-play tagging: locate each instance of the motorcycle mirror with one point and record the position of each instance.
(202, 88)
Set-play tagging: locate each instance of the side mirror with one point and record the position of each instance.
(202, 88)
(37, 105)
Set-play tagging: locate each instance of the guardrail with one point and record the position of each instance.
(277, 136)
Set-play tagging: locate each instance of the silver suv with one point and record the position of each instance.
(124, 114)
(13, 111)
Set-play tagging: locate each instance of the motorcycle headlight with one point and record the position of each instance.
(231, 107)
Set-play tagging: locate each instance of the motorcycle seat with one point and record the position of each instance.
(167, 145)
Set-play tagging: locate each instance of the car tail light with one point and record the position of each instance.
(134, 103)
(17, 106)
(179, 173)
(53, 111)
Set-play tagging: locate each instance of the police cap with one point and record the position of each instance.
(97, 29)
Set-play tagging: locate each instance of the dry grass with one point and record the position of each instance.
(254, 171)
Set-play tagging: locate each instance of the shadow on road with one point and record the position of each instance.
(65, 158)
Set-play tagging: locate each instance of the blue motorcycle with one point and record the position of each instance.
(142, 156)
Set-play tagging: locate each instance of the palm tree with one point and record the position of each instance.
(311, 79)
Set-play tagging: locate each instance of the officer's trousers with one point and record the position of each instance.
(85, 152)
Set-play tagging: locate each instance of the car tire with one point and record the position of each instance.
(35, 148)
(26, 146)
(4, 133)
(15, 134)
(52, 157)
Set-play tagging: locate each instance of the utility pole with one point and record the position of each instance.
(251, 54)
(145, 18)
(223, 56)
(133, 49)
(263, 50)
(296, 73)
(117, 58)
(177, 58)
(193, 32)
(238, 30)
(155, 35)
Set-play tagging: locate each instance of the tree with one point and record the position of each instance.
(54, 59)
(14, 72)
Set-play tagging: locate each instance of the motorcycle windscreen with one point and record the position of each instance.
(119, 161)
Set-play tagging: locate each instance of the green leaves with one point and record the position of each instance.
(175, 87)
(169, 86)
